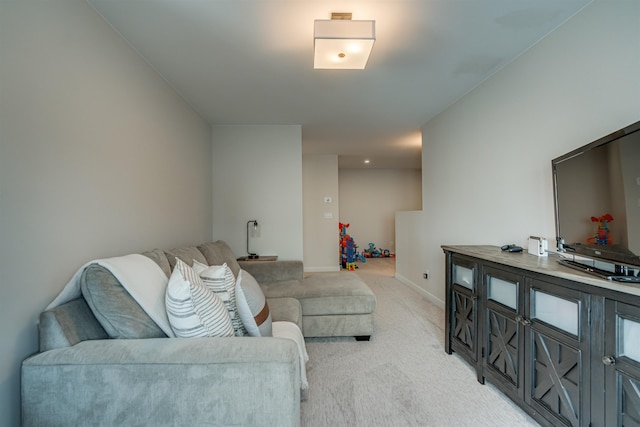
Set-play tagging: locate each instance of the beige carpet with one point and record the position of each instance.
(402, 377)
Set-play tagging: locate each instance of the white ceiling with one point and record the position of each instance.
(251, 62)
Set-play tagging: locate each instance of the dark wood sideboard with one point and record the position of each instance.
(563, 345)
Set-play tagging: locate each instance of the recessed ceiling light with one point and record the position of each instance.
(367, 161)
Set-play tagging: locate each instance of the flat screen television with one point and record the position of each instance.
(597, 205)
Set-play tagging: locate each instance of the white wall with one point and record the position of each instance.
(320, 181)
(487, 159)
(98, 157)
(257, 174)
(410, 266)
(370, 198)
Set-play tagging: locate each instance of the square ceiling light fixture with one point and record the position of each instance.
(342, 44)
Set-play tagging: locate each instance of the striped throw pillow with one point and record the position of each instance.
(220, 280)
(192, 309)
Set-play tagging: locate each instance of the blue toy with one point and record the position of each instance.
(373, 252)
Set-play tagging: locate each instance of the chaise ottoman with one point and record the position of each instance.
(333, 304)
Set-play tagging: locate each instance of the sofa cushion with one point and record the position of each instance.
(285, 310)
(114, 308)
(187, 254)
(220, 280)
(338, 325)
(252, 306)
(217, 253)
(274, 271)
(160, 258)
(326, 294)
(193, 310)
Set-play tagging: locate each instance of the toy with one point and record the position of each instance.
(348, 249)
(602, 236)
(373, 252)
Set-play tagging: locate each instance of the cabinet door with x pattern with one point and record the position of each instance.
(462, 309)
(557, 345)
(502, 329)
(622, 364)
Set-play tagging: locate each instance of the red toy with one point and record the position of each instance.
(602, 236)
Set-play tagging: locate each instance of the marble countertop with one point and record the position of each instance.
(546, 265)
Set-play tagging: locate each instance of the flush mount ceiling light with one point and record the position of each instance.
(340, 43)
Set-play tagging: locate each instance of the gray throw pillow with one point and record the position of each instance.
(186, 254)
(160, 258)
(114, 308)
(218, 253)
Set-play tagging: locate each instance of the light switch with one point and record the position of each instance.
(328, 215)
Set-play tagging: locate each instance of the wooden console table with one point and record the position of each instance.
(563, 345)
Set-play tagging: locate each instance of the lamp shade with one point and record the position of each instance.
(343, 44)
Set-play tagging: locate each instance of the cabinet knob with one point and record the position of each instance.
(609, 360)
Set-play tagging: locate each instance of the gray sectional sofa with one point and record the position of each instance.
(103, 361)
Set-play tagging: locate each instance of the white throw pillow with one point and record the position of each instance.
(220, 280)
(193, 310)
(252, 306)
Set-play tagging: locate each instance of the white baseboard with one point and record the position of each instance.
(321, 269)
(428, 295)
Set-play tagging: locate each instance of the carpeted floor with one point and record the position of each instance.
(402, 377)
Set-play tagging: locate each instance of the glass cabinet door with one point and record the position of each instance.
(555, 311)
(502, 329)
(622, 364)
(557, 353)
(464, 308)
(464, 275)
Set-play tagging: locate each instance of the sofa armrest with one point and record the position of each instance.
(273, 271)
(164, 381)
